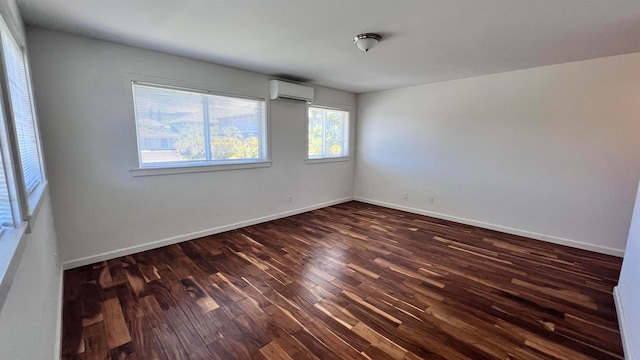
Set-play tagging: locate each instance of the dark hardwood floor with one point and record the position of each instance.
(350, 281)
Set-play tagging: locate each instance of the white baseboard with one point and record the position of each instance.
(58, 339)
(505, 229)
(69, 264)
(626, 345)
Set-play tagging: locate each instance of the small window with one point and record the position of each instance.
(180, 127)
(328, 133)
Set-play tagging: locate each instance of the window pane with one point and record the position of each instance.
(22, 112)
(182, 127)
(316, 119)
(235, 128)
(170, 125)
(334, 133)
(328, 133)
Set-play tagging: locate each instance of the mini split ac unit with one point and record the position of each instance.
(290, 91)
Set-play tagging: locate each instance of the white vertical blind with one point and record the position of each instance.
(23, 112)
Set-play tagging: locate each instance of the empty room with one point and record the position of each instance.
(297, 179)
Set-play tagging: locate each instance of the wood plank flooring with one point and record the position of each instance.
(351, 281)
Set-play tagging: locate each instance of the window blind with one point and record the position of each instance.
(23, 112)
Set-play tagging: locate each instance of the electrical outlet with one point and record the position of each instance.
(405, 195)
(290, 198)
(430, 200)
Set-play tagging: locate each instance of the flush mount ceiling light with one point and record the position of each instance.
(366, 42)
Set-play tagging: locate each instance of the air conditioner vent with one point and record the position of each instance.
(285, 90)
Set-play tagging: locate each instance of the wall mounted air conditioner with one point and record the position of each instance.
(285, 90)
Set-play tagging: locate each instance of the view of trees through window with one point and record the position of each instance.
(178, 126)
(328, 133)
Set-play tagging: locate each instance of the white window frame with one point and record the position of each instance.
(321, 160)
(24, 205)
(29, 201)
(195, 166)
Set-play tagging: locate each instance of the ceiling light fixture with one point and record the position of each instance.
(367, 41)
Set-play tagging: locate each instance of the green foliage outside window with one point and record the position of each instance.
(230, 144)
(328, 133)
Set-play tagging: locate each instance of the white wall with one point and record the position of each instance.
(627, 293)
(88, 133)
(551, 152)
(30, 317)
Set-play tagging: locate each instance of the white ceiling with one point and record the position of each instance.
(311, 40)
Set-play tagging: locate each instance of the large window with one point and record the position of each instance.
(180, 127)
(23, 114)
(328, 133)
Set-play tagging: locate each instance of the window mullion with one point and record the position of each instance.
(324, 134)
(207, 127)
(12, 139)
(345, 136)
(9, 176)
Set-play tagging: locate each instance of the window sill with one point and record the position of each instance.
(11, 248)
(326, 160)
(150, 171)
(35, 201)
